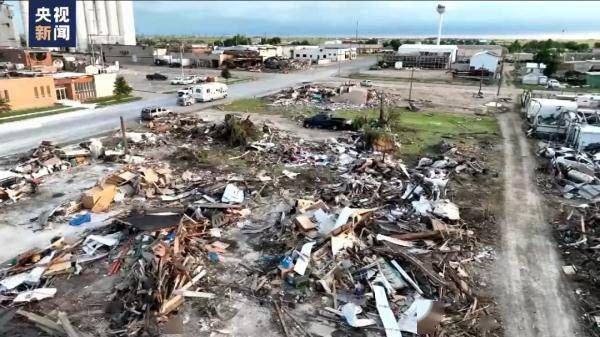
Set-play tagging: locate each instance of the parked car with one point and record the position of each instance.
(366, 83)
(184, 80)
(149, 113)
(324, 120)
(156, 76)
(554, 84)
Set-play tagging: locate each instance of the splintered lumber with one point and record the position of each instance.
(42, 321)
(175, 301)
(66, 324)
(281, 319)
(416, 262)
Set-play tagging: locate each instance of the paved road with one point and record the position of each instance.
(533, 298)
(20, 136)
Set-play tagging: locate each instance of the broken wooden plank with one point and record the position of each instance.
(66, 324)
(177, 300)
(42, 321)
(197, 294)
(415, 261)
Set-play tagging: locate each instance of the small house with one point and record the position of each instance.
(592, 78)
(486, 60)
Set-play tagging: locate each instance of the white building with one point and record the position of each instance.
(105, 84)
(98, 22)
(324, 52)
(8, 34)
(429, 56)
(485, 60)
(534, 74)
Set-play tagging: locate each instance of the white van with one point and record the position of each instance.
(210, 91)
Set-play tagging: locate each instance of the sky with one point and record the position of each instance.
(533, 19)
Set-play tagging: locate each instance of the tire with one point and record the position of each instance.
(334, 128)
(305, 125)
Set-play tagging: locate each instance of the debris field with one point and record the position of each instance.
(210, 220)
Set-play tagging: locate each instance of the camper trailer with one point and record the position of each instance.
(210, 91)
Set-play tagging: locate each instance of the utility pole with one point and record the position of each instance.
(181, 59)
(124, 135)
(501, 77)
(356, 34)
(412, 75)
(480, 93)
(382, 120)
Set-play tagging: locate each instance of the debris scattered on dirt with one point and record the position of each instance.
(361, 237)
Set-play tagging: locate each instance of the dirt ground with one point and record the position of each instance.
(531, 291)
(447, 97)
(420, 74)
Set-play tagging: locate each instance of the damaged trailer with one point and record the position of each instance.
(547, 107)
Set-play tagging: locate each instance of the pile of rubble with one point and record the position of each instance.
(321, 96)
(575, 171)
(377, 244)
(577, 222)
(286, 64)
(578, 233)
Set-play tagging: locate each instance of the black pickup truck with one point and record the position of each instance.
(324, 120)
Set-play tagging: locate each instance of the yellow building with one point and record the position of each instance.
(28, 92)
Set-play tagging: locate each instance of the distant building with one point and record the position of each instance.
(534, 74)
(28, 92)
(520, 57)
(426, 56)
(8, 34)
(264, 50)
(486, 60)
(31, 59)
(74, 86)
(127, 54)
(211, 60)
(104, 84)
(369, 48)
(328, 52)
(579, 66)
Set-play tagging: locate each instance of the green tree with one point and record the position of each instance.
(515, 47)
(122, 89)
(237, 40)
(371, 41)
(4, 106)
(393, 44)
(596, 44)
(300, 43)
(273, 40)
(549, 58)
(226, 74)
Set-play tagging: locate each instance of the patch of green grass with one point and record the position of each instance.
(30, 111)
(247, 105)
(359, 76)
(110, 100)
(35, 115)
(420, 132)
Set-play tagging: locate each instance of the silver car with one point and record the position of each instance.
(149, 113)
